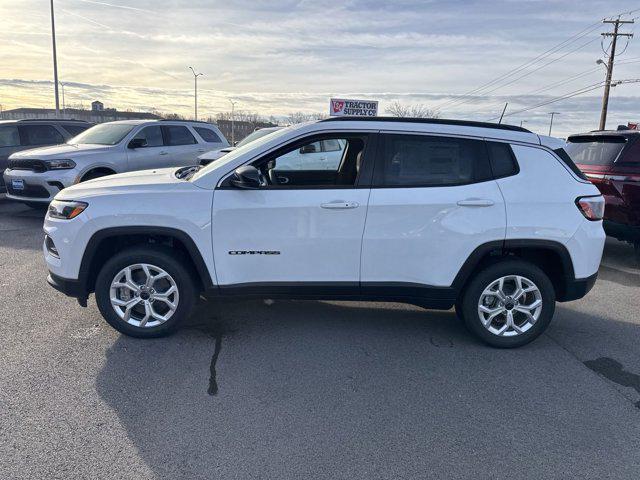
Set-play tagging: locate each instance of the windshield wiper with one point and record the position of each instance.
(185, 173)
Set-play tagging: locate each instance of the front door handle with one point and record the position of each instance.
(164, 153)
(340, 205)
(475, 202)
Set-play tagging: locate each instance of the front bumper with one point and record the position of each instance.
(38, 187)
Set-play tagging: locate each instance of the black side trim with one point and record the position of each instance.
(575, 289)
(101, 235)
(423, 295)
(490, 248)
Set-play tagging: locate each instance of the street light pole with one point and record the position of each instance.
(551, 122)
(64, 108)
(195, 84)
(233, 132)
(55, 61)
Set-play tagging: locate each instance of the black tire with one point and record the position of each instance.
(174, 264)
(473, 291)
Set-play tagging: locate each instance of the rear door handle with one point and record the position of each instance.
(475, 202)
(164, 153)
(340, 205)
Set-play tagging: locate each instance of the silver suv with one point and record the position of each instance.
(16, 135)
(36, 176)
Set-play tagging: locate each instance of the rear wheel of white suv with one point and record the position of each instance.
(508, 304)
(145, 291)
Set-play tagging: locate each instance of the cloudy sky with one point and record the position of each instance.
(279, 56)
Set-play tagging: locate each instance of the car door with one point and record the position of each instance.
(182, 147)
(304, 232)
(433, 201)
(149, 152)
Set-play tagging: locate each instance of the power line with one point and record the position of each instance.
(555, 48)
(580, 91)
(530, 72)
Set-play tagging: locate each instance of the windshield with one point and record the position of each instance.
(591, 150)
(241, 150)
(104, 134)
(255, 135)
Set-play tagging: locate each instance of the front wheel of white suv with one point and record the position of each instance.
(508, 304)
(145, 291)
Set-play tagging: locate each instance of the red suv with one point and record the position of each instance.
(611, 160)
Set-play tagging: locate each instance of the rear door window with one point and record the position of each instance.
(595, 150)
(9, 136)
(40, 135)
(177, 135)
(426, 161)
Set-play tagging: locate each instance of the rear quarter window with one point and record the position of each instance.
(503, 161)
(208, 135)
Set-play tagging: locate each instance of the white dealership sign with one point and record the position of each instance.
(343, 107)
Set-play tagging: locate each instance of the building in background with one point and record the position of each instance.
(97, 114)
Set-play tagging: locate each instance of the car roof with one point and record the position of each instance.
(151, 122)
(46, 120)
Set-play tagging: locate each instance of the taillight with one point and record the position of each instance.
(591, 207)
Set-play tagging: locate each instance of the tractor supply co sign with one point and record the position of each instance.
(342, 107)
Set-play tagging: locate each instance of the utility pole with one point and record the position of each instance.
(551, 122)
(195, 82)
(233, 130)
(55, 60)
(503, 110)
(607, 84)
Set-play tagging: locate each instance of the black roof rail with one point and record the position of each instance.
(186, 121)
(50, 120)
(437, 121)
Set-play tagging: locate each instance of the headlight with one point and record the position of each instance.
(66, 210)
(62, 164)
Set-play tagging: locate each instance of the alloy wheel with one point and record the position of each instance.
(510, 306)
(144, 295)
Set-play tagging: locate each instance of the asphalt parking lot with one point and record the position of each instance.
(291, 389)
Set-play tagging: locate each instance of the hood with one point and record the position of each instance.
(216, 154)
(140, 181)
(65, 150)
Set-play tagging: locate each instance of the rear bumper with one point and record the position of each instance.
(621, 231)
(577, 288)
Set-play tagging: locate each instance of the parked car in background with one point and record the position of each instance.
(427, 211)
(213, 155)
(611, 160)
(17, 135)
(36, 176)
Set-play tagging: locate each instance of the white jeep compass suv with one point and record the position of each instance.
(35, 176)
(492, 219)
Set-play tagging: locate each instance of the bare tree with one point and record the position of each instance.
(174, 116)
(420, 110)
(299, 117)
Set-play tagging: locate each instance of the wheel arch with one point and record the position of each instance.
(104, 243)
(551, 256)
(97, 168)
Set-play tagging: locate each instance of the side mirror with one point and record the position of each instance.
(247, 177)
(137, 143)
(309, 148)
